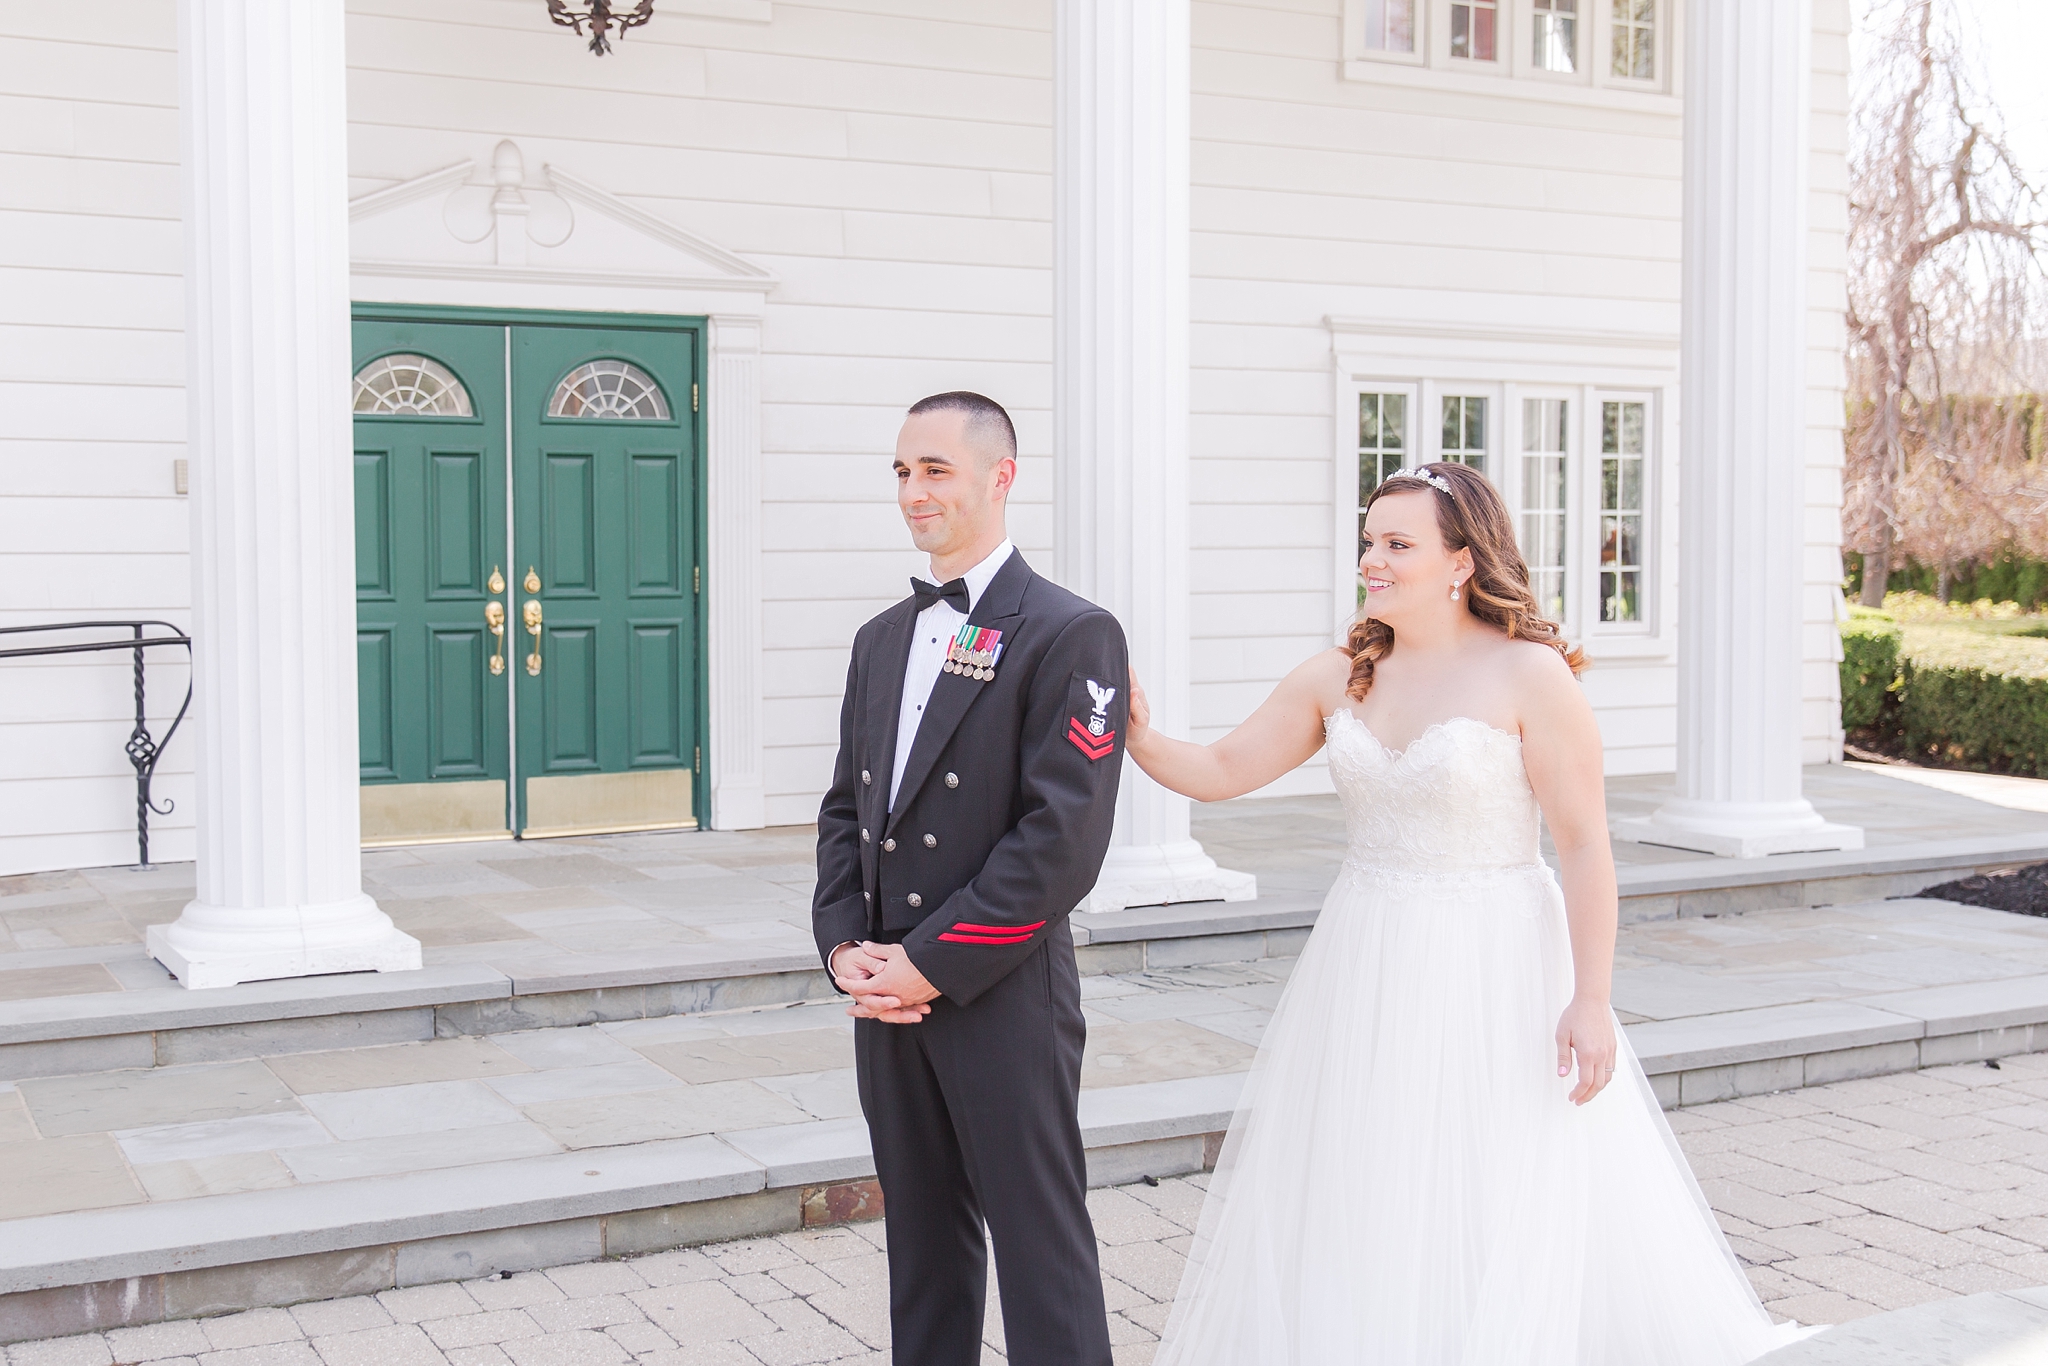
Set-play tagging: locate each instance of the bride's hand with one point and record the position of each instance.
(1587, 1029)
(1140, 723)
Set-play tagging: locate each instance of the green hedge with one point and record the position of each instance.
(1973, 699)
(1870, 666)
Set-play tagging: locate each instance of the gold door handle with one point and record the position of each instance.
(531, 614)
(494, 617)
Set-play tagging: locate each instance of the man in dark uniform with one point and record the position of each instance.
(980, 744)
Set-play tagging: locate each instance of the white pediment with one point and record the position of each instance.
(479, 224)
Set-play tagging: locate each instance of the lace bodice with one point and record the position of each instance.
(1456, 800)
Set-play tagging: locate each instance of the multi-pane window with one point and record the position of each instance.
(1635, 39)
(1473, 26)
(1621, 511)
(1555, 35)
(1382, 442)
(1382, 439)
(1544, 427)
(1464, 431)
(1390, 25)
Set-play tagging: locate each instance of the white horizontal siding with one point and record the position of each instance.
(91, 373)
(890, 162)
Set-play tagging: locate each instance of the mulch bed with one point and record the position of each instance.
(2024, 890)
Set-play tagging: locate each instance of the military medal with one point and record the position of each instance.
(973, 653)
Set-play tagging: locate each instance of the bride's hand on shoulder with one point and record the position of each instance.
(1586, 1030)
(1139, 726)
(1283, 732)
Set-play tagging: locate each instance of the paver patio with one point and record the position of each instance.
(1841, 1200)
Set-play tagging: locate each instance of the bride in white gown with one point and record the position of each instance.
(1414, 1176)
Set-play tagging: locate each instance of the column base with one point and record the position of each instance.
(1156, 874)
(222, 946)
(1740, 829)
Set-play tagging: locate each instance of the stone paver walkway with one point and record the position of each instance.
(1842, 1200)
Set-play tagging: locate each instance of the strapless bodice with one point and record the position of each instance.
(1457, 800)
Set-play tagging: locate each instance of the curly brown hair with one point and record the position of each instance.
(1472, 517)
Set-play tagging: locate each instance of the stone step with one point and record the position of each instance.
(336, 1232)
(160, 1025)
(88, 1270)
(1995, 1328)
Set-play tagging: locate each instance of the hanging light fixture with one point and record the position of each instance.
(602, 18)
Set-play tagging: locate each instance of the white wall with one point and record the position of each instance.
(890, 162)
(91, 368)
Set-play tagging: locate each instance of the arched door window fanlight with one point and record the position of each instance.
(409, 386)
(609, 388)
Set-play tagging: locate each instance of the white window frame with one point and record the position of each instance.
(1525, 38)
(1432, 66)
(1504, 365)
(1347, 502)
(1661, 47)
(1652, 540)
(1503, 38)
(1436, 391)
(1573, 397)
(1356, 49)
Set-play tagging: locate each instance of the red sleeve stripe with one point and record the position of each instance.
(951, 938)
(973, 928)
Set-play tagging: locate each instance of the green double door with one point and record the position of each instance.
(529, 497)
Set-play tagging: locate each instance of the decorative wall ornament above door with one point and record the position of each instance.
(601, 17)
(508, 228)
(507, 210)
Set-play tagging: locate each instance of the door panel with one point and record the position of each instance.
(459, 669)
(569, 521)
(457, 525)
(657, 697)
(608, 504)
(373, 523)
(373, 696)
(430, 530)
(655, 542)
(570, 739)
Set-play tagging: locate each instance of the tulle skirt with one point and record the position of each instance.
(1406, 1184)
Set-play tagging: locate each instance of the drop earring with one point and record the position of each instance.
(1454, 590)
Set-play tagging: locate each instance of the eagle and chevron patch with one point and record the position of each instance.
(1092, 735)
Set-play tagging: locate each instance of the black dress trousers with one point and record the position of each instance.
(974, 1116)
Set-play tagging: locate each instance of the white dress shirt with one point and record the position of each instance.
(936, 627)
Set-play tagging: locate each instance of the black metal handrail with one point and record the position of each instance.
(143, 750)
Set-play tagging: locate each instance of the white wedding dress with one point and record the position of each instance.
(1405, 1182)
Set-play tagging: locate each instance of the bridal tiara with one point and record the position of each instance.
(1435, 481)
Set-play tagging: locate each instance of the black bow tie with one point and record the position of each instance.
(954, 592)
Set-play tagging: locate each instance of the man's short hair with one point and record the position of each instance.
(988, 425)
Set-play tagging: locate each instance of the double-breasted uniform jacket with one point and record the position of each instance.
(1000, 826)
(1004, 813)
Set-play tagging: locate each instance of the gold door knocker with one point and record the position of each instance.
(494, 617)
(531, 613)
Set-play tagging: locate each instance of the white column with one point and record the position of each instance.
(267, 372)
(1742, 439)
(732, 599)
(1120, 393)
